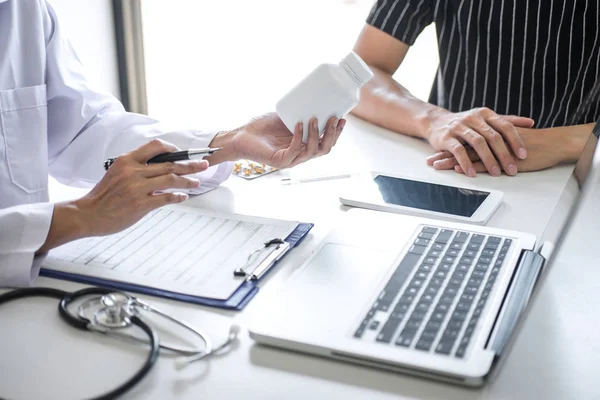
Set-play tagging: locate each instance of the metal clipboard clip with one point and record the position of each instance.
(279, 248)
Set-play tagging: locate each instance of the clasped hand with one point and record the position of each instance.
(546, 149)
(494, 138)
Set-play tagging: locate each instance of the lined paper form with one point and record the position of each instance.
(177, 248)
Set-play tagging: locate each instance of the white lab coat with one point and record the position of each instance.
(53, 122)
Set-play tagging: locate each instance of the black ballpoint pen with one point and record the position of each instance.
(174, 156)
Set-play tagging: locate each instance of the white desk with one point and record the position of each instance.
(555, 355)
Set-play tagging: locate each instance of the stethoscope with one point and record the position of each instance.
(108, 312)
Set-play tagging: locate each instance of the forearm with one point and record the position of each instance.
(571, 140)
(67, 225)
(386, 103)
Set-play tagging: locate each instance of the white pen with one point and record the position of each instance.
(289, 181)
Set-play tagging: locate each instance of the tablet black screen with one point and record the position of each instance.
(429, 196)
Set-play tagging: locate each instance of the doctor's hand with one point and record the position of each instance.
(267, 140)
(127, 192)
(131, 188)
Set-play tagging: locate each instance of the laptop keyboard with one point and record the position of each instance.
(434, 299)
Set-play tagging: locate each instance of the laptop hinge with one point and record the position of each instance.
(546, 250)
(516, 299)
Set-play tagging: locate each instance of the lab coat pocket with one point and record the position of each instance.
(23, 129)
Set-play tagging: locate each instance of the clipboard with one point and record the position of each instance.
(237, 301)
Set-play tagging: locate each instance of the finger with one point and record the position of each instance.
(311, 148)
(460, 153)
(500, 151)
(481, 146)
(327, 141)
(522, 122)
(171, 181)
(163, 199)
(509, 134)
(438, 156)
(445, 164)
(312, 145)
(151, 149)
(479, 167)
(186, 168)
(445, 160)
(442, 155)
(296, 146)
(340, 128)
(300, 158)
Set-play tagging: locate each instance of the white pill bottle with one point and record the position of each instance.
(329, 91)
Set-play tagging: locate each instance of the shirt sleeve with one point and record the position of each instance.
(402, 19)
(85, 126)
(23, 230)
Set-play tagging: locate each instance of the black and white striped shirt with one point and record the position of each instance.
(534, 58)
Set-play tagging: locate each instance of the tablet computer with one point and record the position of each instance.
(415, 196)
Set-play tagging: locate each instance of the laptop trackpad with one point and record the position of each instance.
(342, 271)
(326, 296)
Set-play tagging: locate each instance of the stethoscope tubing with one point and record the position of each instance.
(146, 367)
(208, 346)
(32, 292)
(185, 351)
(83, 324)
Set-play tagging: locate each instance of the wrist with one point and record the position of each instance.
(427, 117)
(73, 219)
(575, 138)
(68, 224)
(228, 152)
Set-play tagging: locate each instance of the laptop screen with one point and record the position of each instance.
(583, 176)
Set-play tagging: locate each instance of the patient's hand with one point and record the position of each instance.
(546, 148)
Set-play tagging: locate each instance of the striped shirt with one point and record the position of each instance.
(534, 58)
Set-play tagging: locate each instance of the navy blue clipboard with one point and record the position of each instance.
(238, 300)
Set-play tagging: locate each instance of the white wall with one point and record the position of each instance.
(89, 25)
(202, 72)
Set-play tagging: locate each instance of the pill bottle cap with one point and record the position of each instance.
(356, 68)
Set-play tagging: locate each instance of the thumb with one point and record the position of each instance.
(521, 122)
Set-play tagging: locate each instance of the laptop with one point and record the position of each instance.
(419, 296)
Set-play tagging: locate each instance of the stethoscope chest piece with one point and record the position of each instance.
(116, 311)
